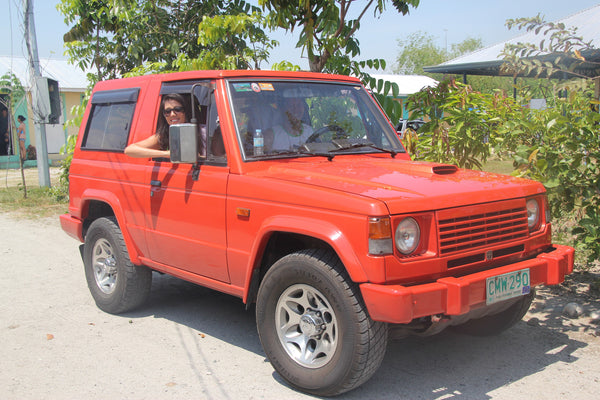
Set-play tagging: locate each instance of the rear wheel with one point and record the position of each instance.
(497, 323)
(114, 282)
(314, 326)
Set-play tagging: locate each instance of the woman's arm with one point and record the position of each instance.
(147, 148)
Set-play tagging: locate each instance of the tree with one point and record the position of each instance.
(230, 42)
(558, 39)
(11, 85)
(418, 50)
(560, 146)
(328, 39)
(462, 123)
(117, 36)
(88, 42)
(466, 46)
(326, 30)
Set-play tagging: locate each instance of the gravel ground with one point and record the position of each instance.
(190, 342)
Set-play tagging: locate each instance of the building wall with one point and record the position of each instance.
(71, 99)
(68, 100)
(56, 135)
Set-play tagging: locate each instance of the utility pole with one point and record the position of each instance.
(34, 74)
(446, 43)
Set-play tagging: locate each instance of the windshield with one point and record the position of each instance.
(294, 118)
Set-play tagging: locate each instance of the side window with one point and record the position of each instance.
(110, 120)
(203, 108)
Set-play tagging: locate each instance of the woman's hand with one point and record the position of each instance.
(147, 148)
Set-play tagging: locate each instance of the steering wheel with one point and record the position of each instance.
(338, 133)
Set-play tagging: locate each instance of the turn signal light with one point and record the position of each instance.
(380, 236)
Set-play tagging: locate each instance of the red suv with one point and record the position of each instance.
(292, 191)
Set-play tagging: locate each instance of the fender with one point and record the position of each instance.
(113, 201)
(327, 232)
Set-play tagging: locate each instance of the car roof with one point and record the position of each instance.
(221, 74)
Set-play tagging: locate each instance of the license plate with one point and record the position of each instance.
(507, 286)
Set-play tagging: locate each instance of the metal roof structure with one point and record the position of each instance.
(70, 78)
(487, 61)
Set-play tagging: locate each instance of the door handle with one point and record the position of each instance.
(154, 185)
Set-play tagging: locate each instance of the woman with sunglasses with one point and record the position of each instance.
(173, 110)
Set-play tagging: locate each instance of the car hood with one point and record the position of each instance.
(405, 186)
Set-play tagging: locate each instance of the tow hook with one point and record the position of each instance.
(439, 318)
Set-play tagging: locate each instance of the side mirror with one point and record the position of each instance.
(183, 143)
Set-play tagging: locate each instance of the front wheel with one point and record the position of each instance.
(115, 283)
(314, 326)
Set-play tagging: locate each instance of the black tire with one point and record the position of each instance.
(329, 345)
(495, 324)
(115, 283)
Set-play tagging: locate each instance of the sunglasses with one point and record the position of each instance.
(168, 111)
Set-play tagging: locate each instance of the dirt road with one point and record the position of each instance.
(192, 343)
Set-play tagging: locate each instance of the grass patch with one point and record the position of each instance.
(499, 166)
(40, 202)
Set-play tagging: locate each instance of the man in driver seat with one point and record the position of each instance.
(293, 131)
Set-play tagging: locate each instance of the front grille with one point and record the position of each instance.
(479, 257)
(478, 226)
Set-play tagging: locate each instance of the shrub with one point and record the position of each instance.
(558, 146)
(462, 124)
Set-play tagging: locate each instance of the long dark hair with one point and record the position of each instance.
(162, 128)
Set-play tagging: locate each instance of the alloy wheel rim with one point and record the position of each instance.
(104, 264)
(306, 326)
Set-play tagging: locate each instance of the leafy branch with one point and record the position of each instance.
(560, 51)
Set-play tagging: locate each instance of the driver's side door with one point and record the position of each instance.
(186, 217)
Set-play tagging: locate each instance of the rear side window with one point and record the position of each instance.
(110, 119)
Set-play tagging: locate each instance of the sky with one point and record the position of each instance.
(448, 21)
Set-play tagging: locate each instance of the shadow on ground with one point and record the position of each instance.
(448, 365)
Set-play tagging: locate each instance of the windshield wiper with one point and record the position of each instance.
(346, 145)
(302, 150)
(277, 153)
(340, 145)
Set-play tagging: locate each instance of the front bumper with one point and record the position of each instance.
(456, 296)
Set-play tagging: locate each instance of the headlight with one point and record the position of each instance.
(408, 235)
(533, 213)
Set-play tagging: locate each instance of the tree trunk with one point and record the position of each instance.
(317, 63)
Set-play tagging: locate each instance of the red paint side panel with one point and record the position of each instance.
(185, 219)
(329, 215)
